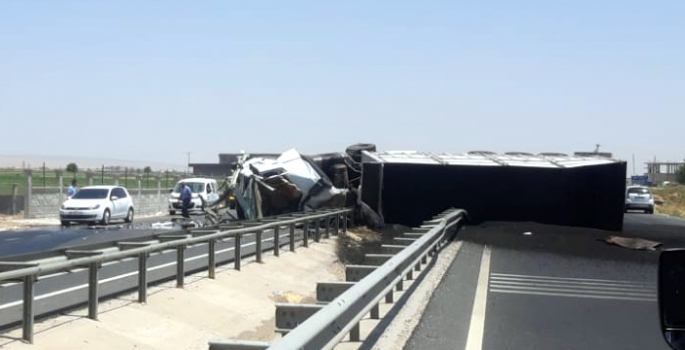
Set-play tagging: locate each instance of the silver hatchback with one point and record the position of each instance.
(639, 198)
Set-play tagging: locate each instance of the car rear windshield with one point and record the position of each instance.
(196, 187)
(91, 193)
(638, 190)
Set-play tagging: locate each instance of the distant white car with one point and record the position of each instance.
(639, 198)
(202, 189)
(97, 204)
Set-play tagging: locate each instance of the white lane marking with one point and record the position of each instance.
(572, 290)
(590, 296)
(572, 287)
(640, 288)
(118, 277)
(474, 341)
(495, 274)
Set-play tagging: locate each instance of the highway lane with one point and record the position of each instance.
(533, 286)
(36, 240)
(67, 289)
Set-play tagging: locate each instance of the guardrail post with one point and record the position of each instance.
(376, 312)
(336, 224)
(354, 333)
(328, 227)
(345, 223)
(317, 233)
(277, 243)
(29, 293)
(180, 266)
(292, 238)
(305, 239)
(142, 278)
(93, 295)
(238, 252)
(212, 258)
(390, 297)
(258, 246)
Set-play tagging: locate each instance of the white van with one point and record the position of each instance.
(201, 187)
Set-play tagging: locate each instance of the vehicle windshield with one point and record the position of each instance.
(195, 187)
(91, 193)
(638, 190)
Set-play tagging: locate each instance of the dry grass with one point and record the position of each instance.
(673, 199)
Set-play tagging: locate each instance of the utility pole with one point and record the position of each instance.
(188, 168)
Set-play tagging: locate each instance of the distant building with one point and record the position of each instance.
(660, 172)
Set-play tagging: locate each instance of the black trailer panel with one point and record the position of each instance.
(587, 196)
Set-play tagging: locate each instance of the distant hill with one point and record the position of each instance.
(60, 162)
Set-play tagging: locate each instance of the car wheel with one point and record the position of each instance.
(129, 215)
(650, 211)
(172, 212)
(105, 217)
(65, 223)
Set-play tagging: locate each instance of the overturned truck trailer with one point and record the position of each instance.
(407, 187)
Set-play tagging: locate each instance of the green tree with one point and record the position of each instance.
(147, 170)
(72, 168)
(681, 175)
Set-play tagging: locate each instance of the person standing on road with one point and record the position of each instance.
(71, 190)
(186, 194)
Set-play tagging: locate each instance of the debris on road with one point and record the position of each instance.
(292, 182)
(632, 243)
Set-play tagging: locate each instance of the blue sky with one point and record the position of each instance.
(153, 80)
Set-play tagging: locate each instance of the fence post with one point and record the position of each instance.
(60, 182)
(14, 199)
(89, 178)
(159, 192)
(29, 192)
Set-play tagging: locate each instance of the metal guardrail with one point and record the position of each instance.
(28, 273)
(320, 327)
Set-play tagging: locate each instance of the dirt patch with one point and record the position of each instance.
(264, 332)
(291, 297)
(670, 200)
(15, 222)
(359, 241)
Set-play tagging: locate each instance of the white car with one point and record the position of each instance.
(202, 188)
(97, 204)
(639, 198)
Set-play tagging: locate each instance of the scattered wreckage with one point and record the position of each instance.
(267, 186)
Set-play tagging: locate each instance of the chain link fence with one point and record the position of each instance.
(39, 192)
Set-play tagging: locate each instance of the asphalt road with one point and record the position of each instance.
(65, 290)
(37, 240)
(533, 286)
